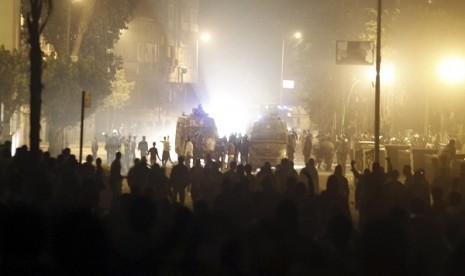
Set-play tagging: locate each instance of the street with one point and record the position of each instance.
(299, 164)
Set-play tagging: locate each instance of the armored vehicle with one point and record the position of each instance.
(268, 141)
(200, 129)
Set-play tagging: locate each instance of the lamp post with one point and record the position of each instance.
(205, 38)
(297, 36)
(68, 31)
(452, 71)
(378, 82)
(352, 89)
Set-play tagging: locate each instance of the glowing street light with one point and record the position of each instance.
(205, 37)
(297, 36)
(70, 3)
(452, 70)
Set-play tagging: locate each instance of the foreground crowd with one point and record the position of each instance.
(276, 222)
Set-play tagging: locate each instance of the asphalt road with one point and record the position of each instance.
(299, 164)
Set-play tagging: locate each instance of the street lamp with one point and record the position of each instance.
(452, 70)
(296, 36)
(70, 3)
(204, 37)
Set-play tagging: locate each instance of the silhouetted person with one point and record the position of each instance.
(407, 172)
(153, 151)
(253, 182)
(310, 171)
(420, 188)
(116, 179)
(94, 147)
(245, 144)
(87, 168)
(342, 181)
(143, 147)
(332, 202)
(165, 156)
(196, 179)
(307, 146)
(99, 174)
(231, 174)
(291, 145)
(189, 152)
(179, 180)
(131, 176)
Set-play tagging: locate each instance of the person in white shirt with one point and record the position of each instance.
(165, 156)
(189, 152)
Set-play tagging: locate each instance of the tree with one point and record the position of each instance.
(95, 67)
(121, 91)
(323, 85)
(36, 23)
(14, 75)
(416, 36)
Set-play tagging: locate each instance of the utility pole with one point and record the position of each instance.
(378, 83)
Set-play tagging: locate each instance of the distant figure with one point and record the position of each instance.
(143, 147)
(94, 148)
(342, 151)
(230, 150)
(189, 152)
(450, 150)
(99, 174)
(165, 156)
(325, 153)
(116, 179)
(245, 150)
(291, 144)
(132, 147)
(153, 152)
(307, 146)
(112, 145)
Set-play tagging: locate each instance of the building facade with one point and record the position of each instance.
(160, 54)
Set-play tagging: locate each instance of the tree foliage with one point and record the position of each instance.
(321, 84)
(121, 91)
(14, 79)
(415, 36)
(96, 65)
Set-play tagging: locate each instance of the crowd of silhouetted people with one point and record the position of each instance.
(275, 222)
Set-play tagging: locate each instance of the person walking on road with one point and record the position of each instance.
(189, 152)
(94, 148)
(165, 156)
(143, 147)
(153, 151)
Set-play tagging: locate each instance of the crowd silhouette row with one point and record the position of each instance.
(275, 222)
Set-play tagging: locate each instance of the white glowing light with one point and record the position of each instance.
(298, 35)
(205, 37)
(387, 73)
(452, 70)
